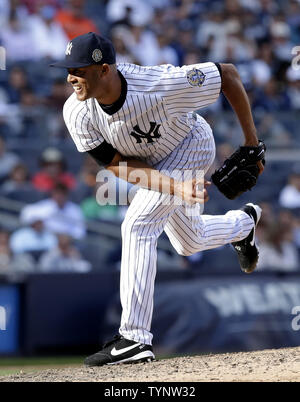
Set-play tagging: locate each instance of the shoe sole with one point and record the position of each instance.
(146, 356)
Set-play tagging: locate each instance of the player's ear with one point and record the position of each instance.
(105, 69)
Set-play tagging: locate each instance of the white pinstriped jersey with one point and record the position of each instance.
(156, 124)
(155, 116)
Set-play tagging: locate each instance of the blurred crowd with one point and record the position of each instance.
(258, 36)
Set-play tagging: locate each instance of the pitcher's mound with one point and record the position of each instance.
(266, 365)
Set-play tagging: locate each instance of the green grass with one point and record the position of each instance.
(13, 365)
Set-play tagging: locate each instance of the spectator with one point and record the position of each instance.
(271, 97)
(191, 57)
(293, 19)
(92, 210)
(132, 11)
(238, 47)
(32, 237)
(166, 54)
(59, 93)
(185, 41)
(86, 180)
(4, 12)
(18, 179)
(297, 230)
(262, 65)
(211, 30)
(278, 252)
(118, 37)
(252, 27)
(174, 41)
(64, 258)
(34, 5)
(18, 186)
(59, 214)
(273, 131)
(289, 196)
(293, 89)
(52, 171)
(288, 217)
(17, 40)
(109, 200)
(9, 116)
(143, 45)
(31, 114)
(50, 40)
(267, 218)
(73, 20)
(17, 83)
(11, 263)
(280, 36)
(9, 8)
(8, 160)
(285, 217)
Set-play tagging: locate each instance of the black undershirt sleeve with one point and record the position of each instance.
(103, 154)
(219, 68)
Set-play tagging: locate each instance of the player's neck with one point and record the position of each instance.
(113, 90)
(114, 107)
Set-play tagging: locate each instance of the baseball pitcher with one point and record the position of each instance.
(139, 123)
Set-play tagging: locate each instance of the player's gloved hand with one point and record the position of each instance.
(239, 173)
(192, 191)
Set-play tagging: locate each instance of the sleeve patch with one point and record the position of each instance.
(195, 77)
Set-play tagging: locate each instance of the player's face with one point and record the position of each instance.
(85, 81)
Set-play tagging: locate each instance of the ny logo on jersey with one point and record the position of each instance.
(153, 132)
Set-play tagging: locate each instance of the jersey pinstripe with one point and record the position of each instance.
(156, 115)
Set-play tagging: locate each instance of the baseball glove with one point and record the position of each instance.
(240, 171)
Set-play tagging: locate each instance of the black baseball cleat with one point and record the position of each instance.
(247, 249)
(121, 350)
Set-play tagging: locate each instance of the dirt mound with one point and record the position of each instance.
(267, 365)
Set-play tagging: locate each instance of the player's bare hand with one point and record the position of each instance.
(254, 143)
(193, 191)
(260, 166)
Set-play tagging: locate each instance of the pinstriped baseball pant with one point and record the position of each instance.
(149, 214)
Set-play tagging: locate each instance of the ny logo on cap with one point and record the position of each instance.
(69, 48)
